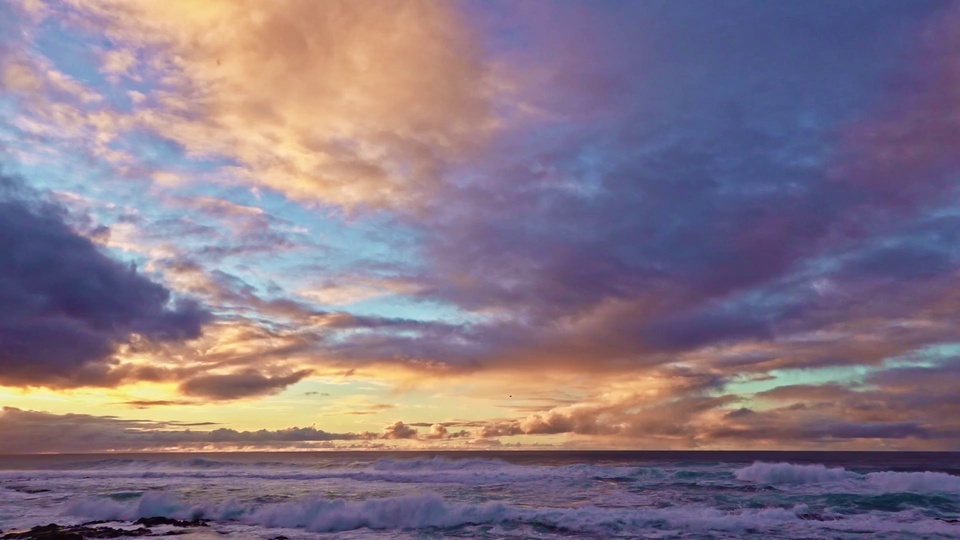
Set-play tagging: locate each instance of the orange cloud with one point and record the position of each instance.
(323, 101)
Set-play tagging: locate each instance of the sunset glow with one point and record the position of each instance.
(341, 224)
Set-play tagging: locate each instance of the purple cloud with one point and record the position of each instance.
(67, 305)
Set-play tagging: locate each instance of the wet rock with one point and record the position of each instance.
(44, 532)
(80, 532)
(159, 520)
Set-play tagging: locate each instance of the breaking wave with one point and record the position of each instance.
(493, 498)
(915, 481)
(430, 511)
(313, 513)
(788, 473)
(437, 464)
(891, 481)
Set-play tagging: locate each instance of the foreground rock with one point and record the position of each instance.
(154, 521)
(95, 530)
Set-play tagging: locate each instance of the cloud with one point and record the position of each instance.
(438, 431)
(821, 433)
(613, 233)
(375, 408)
(662, 409)
(399, 430)
(342, 110)
(242, 384)
(35, 431)
(28, 431)
(909, 407)
(67, 305)
(806, 392)
(902, 263)
(147, 403)
(662, 215)
(913, 407)
(655, 192)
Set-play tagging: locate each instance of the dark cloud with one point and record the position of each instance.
(916, 406)
(743, 411)
(372, 409)
(745, 193)
(147, 403)
(821, 433)
(920, 384)
(806, 392)
(67, 305)
(691, 331)
(242, 384)
(902, 262)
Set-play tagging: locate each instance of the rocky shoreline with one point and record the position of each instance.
(97, 529)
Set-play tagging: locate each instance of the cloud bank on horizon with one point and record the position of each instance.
(653, 225)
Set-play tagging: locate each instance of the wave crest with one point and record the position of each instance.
(313, 513)
(436, 464)
(406, 512)
(429, 511)
(917, 482)
(789, 473)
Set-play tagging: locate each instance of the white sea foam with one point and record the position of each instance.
(439, 464)
(409, 512)
(151, 504)
(887, 481)
(383, 498)
(789, 473)
(917, 482)
(313, 513)
(397, 471)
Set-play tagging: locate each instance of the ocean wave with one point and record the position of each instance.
(430, 511)
(438, 464)
(405, 512)
(313, 513)
(918, 482)
(173, 465)
(933, 504)
(888, 481)
(789, 473)
(202, 464)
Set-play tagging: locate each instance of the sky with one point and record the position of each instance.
(247, 225)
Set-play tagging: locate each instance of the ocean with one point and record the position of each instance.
(509, 494)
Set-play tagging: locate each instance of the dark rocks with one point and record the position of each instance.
(159, 520)
(44, 532)
(89, 530)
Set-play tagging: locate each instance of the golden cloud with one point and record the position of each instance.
(329, 101)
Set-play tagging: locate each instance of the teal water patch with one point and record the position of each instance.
(933, 505)
(695, 475)
(121, 496)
